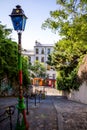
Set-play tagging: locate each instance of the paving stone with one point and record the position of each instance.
(53, 113)
(44, 116)
(73, 115)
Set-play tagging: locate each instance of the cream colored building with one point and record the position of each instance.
(41, 53)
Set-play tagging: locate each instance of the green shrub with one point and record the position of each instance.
(69, 82)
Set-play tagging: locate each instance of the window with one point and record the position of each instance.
(42, 59)
(48, 76)
(36, 58)
(37, 51)
(42, 52)
(53, 76)
(48, 51)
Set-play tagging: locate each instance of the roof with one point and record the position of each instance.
(44, 45)
(38, 44)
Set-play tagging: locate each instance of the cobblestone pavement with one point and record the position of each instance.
(52, 113)
(43, 116)
(4, 103)
(71, 115)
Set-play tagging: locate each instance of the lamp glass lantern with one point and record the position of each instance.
(18, 18)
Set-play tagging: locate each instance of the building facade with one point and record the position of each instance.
(41, 53)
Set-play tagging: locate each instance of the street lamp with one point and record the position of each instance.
(19, 20)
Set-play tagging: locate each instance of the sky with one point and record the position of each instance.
(37, 12)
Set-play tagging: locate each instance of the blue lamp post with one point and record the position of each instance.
(19, 20)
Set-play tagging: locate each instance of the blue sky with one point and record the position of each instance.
(37, 12)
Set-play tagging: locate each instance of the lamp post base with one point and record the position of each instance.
(22, 123)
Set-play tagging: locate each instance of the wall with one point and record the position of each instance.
(81, 95)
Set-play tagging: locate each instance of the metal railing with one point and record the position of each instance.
(7, 114)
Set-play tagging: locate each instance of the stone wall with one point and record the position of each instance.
(81, 95)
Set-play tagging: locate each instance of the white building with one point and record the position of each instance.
(40, 53)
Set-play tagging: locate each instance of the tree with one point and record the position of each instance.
(8, 54)
(26, 75)
(70, 21)
(4, 32)
(9, 59)
(8, 63)
(49, 61)
(39, 69)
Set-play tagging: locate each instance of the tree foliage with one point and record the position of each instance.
(49, 61)
(8, 54)
(9, 59)
(4, 33)
(39, 69)
(26, 74)
(70, 22)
